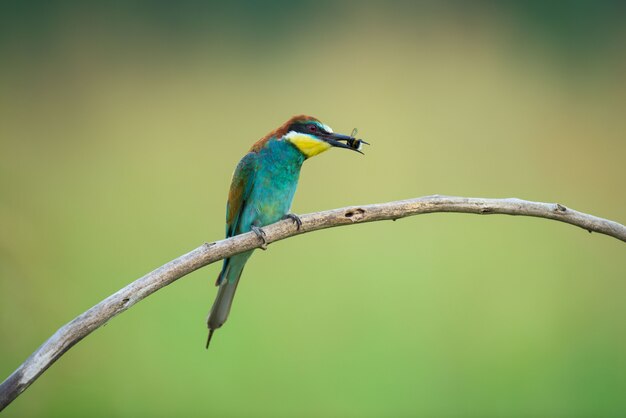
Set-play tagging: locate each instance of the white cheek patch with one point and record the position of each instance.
(293, 135)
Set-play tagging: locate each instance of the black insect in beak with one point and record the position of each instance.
(351, 142)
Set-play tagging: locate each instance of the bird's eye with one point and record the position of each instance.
(312, 128)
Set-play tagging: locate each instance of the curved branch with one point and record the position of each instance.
(84, 324)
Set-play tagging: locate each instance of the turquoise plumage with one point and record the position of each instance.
(262, 190)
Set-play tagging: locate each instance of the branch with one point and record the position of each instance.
(84, 324)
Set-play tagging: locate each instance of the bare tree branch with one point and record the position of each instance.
(84, 324)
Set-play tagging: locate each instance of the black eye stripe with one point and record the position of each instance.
(307, 128)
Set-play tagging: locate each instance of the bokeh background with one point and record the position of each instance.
(120, 126)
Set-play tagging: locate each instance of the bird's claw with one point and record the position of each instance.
(295, 218)
(261, 234)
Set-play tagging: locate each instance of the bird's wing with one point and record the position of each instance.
(240, 188)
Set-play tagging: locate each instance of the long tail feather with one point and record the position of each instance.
(228, 279)
(208, 340)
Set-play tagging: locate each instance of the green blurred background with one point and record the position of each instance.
(120, 126)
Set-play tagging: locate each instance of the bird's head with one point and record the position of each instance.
(312, 137)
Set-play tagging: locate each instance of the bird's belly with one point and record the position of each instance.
(273, 200)
(272, 207)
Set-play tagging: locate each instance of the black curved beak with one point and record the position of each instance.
(350, 143)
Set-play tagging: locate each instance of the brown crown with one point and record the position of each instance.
(281, 130)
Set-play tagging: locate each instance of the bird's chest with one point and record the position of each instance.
(274, 188)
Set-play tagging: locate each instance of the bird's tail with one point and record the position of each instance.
(227, 282)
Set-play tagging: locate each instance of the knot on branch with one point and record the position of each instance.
(355, 215)
(124, 302)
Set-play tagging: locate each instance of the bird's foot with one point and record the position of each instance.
(295, 218)
(261, 234)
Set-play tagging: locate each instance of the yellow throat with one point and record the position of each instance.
(307, 144)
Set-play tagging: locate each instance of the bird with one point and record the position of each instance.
(262, 189)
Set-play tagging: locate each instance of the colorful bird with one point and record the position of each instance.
(261, 192)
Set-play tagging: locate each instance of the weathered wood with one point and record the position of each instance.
(84, 324)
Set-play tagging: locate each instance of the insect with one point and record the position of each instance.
(354, 143)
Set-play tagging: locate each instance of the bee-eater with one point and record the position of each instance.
(261, 192)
